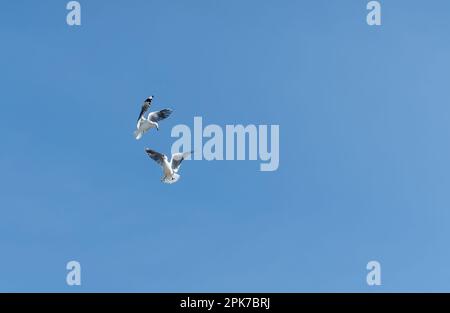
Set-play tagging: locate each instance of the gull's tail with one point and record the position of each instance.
(171, 180)
(137, 134)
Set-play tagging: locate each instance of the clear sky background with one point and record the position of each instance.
(364, 172)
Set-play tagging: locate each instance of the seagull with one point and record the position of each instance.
(144, 124)
(170, 168)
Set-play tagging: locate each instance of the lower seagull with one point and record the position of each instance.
(170, 168)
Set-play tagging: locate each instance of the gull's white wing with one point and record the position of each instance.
(147, 103)
(176, 160)
(159, 115)
(158, 157)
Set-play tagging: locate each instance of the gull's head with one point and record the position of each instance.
(149, 99)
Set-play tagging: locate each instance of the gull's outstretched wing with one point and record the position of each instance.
(147, 103)
(159, 115)
(177, 158)
(158, 157)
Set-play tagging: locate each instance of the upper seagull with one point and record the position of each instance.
(170, 168)
(144, 124)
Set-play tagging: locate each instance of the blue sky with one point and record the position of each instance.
(364, 146)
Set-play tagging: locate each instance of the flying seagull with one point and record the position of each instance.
(144, 124)
(170, 168)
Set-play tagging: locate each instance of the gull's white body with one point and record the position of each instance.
(143, 125)
(170, 175)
